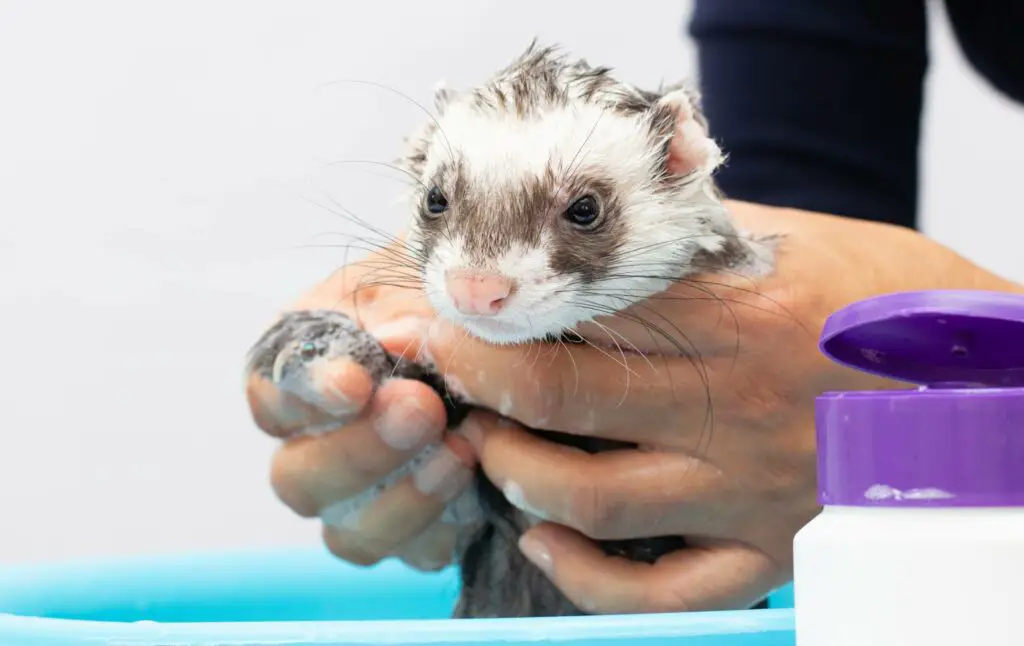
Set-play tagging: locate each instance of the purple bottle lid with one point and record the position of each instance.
(958, 440)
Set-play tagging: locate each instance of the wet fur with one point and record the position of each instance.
(500, 205)
(512, 154)
(495, 216)
(497, 581)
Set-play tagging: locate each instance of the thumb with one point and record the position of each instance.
(725, 576)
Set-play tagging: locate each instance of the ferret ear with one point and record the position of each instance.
(443, 95)
(690, 150)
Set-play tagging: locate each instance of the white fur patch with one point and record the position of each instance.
(499, 148)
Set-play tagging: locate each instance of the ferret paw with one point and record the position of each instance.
(294, 349)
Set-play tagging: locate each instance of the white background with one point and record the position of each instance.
(155, 162)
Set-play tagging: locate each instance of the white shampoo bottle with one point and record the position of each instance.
(920, 541)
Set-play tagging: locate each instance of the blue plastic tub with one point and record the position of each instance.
(308, 597)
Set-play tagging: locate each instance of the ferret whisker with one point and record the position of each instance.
(394, 242)
(447, 367)
(405, 96)
(408, 265)
(678, 239)
(702, 286)
(631, 296)
(637, 297)
(395, 266)
(384, 278)
(632, 346)
(384, 253)
(786, 312)
(351, 217)
(400, 358)
(570, 171)
(406, 171)
(725, 302)
(691, 354)
(623, 362)
(695, 359)
(575, 366)
(398, 265)
(368, 244)
(540, 351)
(393, 279)
(417, 259)
(612, 336)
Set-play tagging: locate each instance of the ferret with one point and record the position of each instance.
(549, 195)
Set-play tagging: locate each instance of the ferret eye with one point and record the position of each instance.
(583, 212)
(437, 203)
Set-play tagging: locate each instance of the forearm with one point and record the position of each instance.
(874, 257)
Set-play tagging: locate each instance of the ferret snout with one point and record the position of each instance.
(478, 293)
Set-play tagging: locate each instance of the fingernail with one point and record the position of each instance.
(537, 553)
(403, 425)
(440, 473)
(320, 386)
(514, 495)
(472, 431)
(346, 514)
(464, 511)
(322, 429)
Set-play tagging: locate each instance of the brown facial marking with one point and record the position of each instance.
(589, 253)
(492, 219)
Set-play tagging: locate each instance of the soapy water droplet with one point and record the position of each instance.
(880, 492)
(885, 492)
(505, 406)
(927, 494)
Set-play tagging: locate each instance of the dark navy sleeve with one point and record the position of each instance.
(991, 35)
(817, 103)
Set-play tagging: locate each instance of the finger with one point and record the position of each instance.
(351, 282)
(380, 524)
(705, 314)
(724, 577)
(433, 549)
(342, 389)
(582, 390)
(310, 472)
(605, 495)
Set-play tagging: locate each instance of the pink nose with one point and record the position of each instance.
(480, 293)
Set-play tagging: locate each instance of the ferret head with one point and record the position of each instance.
(555, 193)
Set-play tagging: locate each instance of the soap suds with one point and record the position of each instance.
(516, 497)
(885, 492)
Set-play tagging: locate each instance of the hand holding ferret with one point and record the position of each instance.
(589, 282)
(727, 453)
(347, 444)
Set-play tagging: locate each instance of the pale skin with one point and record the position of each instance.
(739, 490)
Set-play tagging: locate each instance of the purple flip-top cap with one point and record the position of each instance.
(958, 440)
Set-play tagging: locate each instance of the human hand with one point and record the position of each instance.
(341, 438)
(727, 454)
